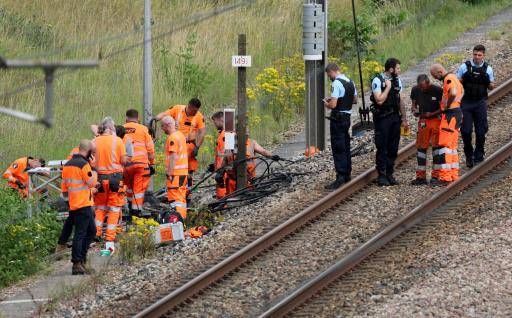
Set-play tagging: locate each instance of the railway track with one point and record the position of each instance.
(281, 246)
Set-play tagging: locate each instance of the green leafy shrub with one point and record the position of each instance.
(342, 37)
(25, 242)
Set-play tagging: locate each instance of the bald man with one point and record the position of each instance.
(451, 120)
(176, 166)
(79, 184)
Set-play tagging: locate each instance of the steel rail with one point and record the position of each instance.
(277, 234)
(414, 217)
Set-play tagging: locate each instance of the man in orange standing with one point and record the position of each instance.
(190, 122)
(451, 120)
(17, 173)
(110, 159)
(139, 170)
(78, 186)
(220, 189)
(176, 166)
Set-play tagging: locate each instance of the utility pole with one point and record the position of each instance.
(315, 56)
(147, 67)
(241, 125)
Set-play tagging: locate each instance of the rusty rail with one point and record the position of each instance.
(414, 217)
(272, 237)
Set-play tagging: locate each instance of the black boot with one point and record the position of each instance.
(382, 180)
(469, 162)
(340, 180)
(392, 181)
(78, 269)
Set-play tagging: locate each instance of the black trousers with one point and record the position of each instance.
(67, 228)
(85, 230)
(340, 144)
(387, 140)
(474, 113)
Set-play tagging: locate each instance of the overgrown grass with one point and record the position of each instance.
(25, 242)
(193, 61)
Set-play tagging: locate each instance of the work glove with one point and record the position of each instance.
(219, 178)
(275, 158)
(20, 184)
(152, 170)
(211, 168)
(195, 151)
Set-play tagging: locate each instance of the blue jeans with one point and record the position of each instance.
(474, 113)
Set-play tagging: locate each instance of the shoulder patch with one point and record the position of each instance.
(89, 173)
(15, 165)
(448, 81)
(375, 85)
(172, 143)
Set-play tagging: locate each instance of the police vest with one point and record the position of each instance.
(392, 103)
(345, 103)
(475, 82)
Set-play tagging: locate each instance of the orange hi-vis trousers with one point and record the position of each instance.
(177, 194)
(136, 178)
(448, 156)
(108, 204)
(428, 135)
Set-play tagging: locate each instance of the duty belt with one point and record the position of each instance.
(338, 115)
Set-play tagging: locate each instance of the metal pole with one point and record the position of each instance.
(147, 68)
(363, 114)
(241, 124)
(48, 97)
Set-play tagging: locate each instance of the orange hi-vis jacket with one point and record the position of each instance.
(251, 163)
(18, 171)
(109, 150)
(176, 144)
(73, 152)
(143, 147)
(450, 81)
(189, 126)
(77, 182)
(219, 151)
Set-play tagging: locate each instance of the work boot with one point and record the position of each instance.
(470, 163)
(340, 180)
(477, 162)
(382, 181)
(78, 269)
(439, 183)
(419, 181)
(88, 270)
(392, 181)
(61, 248)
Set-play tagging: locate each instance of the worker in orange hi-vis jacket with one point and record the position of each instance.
(139, 170)
(110, 159)
(190, 122)
(220, 188)
(78, 186)
(17, 173)
(176, 166)
(451, 120)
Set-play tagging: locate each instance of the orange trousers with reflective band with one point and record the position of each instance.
(428, 135)
(136, 178)
(177, 194)
(108, 205)
(448, 157)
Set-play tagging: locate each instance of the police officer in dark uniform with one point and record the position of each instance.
(340, 102)
(477, 77)
(389, 114)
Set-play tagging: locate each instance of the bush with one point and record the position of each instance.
(25, 242)
(138, 241)
(342, 37)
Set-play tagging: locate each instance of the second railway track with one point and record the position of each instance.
(250, 280)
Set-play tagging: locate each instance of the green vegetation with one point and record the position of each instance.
(25, 242)
(195, 61)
